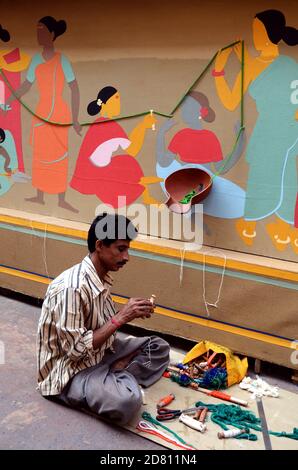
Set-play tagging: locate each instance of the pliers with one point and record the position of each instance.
(164, 414)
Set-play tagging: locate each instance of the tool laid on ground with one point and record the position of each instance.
(218, 394)
(165, 414)
(231, 433)
(192, 423)
(165, 400)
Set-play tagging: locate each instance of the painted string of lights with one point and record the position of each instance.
(171, 115)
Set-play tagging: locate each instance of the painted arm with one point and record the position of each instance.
(230, 97)
(4, 153)
(21, 91)
(164, 157)
(75, 105)
(138, 134)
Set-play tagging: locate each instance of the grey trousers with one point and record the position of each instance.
(115, 394)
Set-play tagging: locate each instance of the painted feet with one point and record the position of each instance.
(279, 232)
(294, 240)
(246, 231)
(67, 206)
(35, 199)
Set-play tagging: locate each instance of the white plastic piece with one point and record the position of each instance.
(192, 423)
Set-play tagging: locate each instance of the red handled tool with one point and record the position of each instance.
(165, 400)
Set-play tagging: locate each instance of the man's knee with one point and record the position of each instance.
(126, 406)
(159, 347)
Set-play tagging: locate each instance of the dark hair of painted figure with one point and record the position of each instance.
(4, 34)
(275, 24)
(53, 29)
(208, 114)
(103, 96)
(2, 136)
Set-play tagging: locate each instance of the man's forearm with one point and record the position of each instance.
(101, 335)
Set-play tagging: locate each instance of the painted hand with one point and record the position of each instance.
(148, 121)
(238, 51)
(222, 58)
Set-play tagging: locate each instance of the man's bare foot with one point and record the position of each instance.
(124, 361)
(67, 206)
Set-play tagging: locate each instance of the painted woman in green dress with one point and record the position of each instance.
(273, 147)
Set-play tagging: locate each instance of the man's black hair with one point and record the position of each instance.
(108, 228)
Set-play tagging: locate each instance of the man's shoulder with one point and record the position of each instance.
(72, 278)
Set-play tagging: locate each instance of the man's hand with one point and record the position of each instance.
(135, 308)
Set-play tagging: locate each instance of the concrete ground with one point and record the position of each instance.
(28, 421)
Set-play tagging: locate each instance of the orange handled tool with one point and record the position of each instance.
(165, 401)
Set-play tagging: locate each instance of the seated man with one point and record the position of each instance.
(81, 361)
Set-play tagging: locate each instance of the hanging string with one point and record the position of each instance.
(44, 252)
(182, 256)
(215, 304)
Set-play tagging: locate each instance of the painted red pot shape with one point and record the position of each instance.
(187, 187)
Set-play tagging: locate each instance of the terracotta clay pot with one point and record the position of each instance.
(183, 182)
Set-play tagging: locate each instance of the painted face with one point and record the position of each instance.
(260, 36)
(44, 37)
(115, 256)
(191, 111)
(113, 105)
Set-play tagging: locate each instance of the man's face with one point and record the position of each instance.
(115, 256)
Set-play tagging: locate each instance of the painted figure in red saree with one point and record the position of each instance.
(12, 63)
(117, 180)
(50, 70)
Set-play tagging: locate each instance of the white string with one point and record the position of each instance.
(145, 427)
(44, 251)
(182, 256)
(146, 350)
(215, 304)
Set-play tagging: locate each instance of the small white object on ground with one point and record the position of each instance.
(259, 387)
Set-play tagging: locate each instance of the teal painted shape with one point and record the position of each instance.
(273, 147)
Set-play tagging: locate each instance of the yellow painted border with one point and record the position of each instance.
(24, 275)
(169, 313)
(161, 250)
(218, 326)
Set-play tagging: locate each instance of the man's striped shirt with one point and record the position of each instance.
(77, 302)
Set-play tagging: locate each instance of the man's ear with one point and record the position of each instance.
(98, 245)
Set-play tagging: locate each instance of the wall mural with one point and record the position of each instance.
(194, 147)
(116, 180)
(107, 166)
(49, 69)
(273, 146)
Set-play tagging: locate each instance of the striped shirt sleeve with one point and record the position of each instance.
(75, 340)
